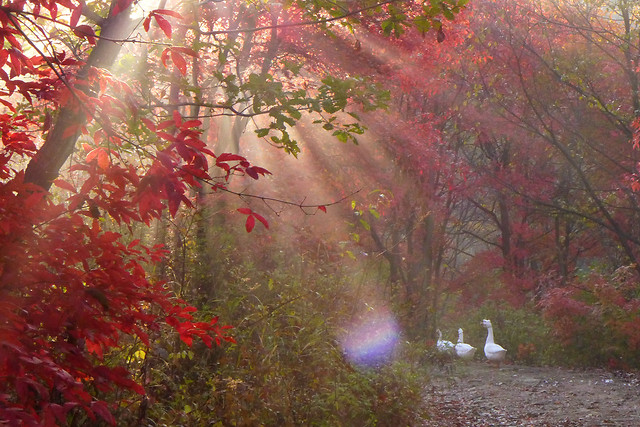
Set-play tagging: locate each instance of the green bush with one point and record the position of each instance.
(287, 367)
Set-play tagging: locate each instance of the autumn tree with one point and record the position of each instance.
(547, 156)
(548, 119)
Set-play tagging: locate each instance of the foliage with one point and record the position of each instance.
(596, 318)
(71, 292)
(287, 366)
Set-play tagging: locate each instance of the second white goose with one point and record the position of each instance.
(464, 350)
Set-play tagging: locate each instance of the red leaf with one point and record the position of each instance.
(186, 339)
(251, 172)
(103, 160)
(95, 348)
(75, 16)
(323, 208)
(53, 10)
(101, 409)
(165, 159)
(16, 64)
(4, 54)
(149, 124)
(261, 171)
(166, 124)
(165, 56)
(177, 118)
(14, 42)
(191, 124)
(262, 220)
(8, 104)
(92, 155)
(245, 211)
(163, 24)
(167, 12)
(186, 51)
(61, 183)
(251, 222)
(166, 136)
(147, 23)
(228, 157)
(179, 62)
(121, 5)
(87, 32)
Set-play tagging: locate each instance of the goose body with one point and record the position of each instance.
(444, 346)
(494, 352)
(464, 350)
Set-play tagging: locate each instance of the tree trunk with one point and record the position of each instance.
(44, 168)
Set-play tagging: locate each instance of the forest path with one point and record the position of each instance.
(477, 394)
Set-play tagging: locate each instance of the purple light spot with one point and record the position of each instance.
(372, 341)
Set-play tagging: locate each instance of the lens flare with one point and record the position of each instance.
(371, 341)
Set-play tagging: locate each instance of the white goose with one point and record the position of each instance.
(444, 346)
(464, 350)
(493, 351)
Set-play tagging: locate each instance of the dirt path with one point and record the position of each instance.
(478, 395)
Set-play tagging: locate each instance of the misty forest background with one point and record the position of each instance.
(482, 167)
(500, 183)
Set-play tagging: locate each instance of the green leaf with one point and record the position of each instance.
(387, 27)
(342, 136)
(447, 13)
(260, 133)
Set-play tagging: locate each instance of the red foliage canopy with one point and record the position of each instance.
(69, 288)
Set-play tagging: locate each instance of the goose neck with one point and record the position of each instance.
(489, 335)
